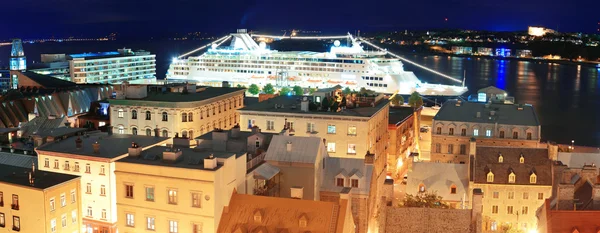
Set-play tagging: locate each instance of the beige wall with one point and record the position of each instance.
(214, 187)
(225, 116)
(502, 217)
(34, 207)
(401, 143)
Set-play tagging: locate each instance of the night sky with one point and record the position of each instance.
(142, 18)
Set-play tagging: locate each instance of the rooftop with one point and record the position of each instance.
(291, 104)
(439, 177)
(506, 114)
(20, 176)
(578, 160)
(303, 149)
(399, 114)
(59, 132)
(48, 81)
(209, 93)
(17, 160)
(111, 146)
(279, 215)
(535, 161)
(349, 167)
(190, 158)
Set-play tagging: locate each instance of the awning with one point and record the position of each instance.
(265, 171)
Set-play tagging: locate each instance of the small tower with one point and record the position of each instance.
(17, 62)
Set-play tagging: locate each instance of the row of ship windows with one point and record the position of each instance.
(373, 78)
(266, 59)
(377, 85)
(115, 73)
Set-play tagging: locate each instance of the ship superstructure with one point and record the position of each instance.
(245, 62)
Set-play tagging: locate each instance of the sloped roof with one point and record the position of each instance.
(439, 178)
(491, 89)
(506, 114)
(304, 149)
(577, 160)
(535, 160)
(47, 81)
(280, 214)
(17, 160)
(334, 166)
(41, 124)
(265, 171)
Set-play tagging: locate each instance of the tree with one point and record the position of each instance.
(254, 89)
(311, 91)
(269, 89)
(239, 86)
(415, 100)
(347, 91)
(325, 104)
(298, 90)
(397, 100)
(284, 91)
(425, 199)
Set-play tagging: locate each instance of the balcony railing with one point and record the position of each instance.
(271, 191)
(255, 161)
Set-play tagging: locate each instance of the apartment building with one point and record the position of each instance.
(491, 124)
(33, 201)
(176, 110)
(515, 182)
(102, 67)
(403, 129)
(93, 158)
(172, 189)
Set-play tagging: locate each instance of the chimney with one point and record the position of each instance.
(109, 129)
(304, 104)
(31, 179)
(235, 131)
(225, 84)
(289, 146)
(210, 162)
(478, 114)
(255, 129)
(473, 147)
(96, 147)
(78, 143)
(369, 158)
(552, 151)
(135, 150)
(172, 155)
(477, 205)
(297, 192)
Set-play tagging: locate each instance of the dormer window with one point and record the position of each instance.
(422, 188)
(533, 178)
(522, 159)
(500, 158)
(490, 177)
(257, 216)
(453, 189)
(339, 182)
(303, 221)
(511, 177)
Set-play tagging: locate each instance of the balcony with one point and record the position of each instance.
(257, 160)
(271, 189)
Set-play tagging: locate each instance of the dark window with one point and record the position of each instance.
(133, 114)
(148, 115)
(15, 202)
(438, 148)
(354, 183)
(450, 148)
(439, 130)
(463, 149)
(183, 117)
(16, 223)
(134, 131)
(515, 135)
(463, 132)
(502, 134)
(190, 117)
(129, 191)
(165, 116)
(528, 136)
(453, 190)
(451, 131)
(340, 182)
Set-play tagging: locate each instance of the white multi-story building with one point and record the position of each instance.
(93, 158)
(104, 67)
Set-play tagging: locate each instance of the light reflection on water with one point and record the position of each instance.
(565, 97)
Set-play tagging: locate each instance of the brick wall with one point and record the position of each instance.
(427, 220)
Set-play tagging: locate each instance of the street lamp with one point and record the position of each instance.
(573, 144)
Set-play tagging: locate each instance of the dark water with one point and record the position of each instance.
(566, 97)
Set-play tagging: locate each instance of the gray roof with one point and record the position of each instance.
(439, 178)
(291, 104)
(577, 160)
(58, 132)
(17, 160)
(190, 158)
(347, 166)
(491, 90)
(42, 124)
(304, 149)
(209, 93)
(506, 114)
(43, 179)
(399, 114)
(111, 146)
(535, 160)
(265, 171)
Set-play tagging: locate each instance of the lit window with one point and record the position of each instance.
(173, 226)
(63, 200)
(352, 130)
(172, 196)
(52, 204)
(421, 188)
(149, 193)
(16, 223)
(488, 133)
(53, 225)
(120, 113)
(511, 177)
(150, 223)
(494, 226)
(490, 177)
(2, 220)
(500, 158)
(533, 179)
(331, 147)
(130, 221)
(331, 129)
(476, 132)
(74, 216)
(196, 200)
(352, 149)
(63, 220)
(121, 130)
(522, 159)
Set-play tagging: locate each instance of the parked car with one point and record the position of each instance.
(424, 130)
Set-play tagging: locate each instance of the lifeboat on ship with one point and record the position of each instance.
(294, 78)
(350, 83)
(334, 81)
(257, 77)
(272, 77)
(314, 80)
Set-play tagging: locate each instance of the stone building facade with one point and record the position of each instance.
(188, 113)
(403, 130)
(491, 124)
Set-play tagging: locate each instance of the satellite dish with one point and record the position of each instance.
(336, 43)
(214, 46)
(262, 45)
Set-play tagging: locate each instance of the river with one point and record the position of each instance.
(566, 97)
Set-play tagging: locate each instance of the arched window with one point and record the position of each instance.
(191, 134)
(501, 133)
(165, 116)
(201, 114)
(201, 130)
(184, 134)
(120, 113)
(165, 133)
(121, 130)
(134, 131)
(148, 115)
(490, 177)
(184, 117)
(220, 106)
(451, 131)
(515, 135)
(148, 132)
(439, 130)
(191, 117)
(214, 110)
(421, 188)
(500, 158)
(133, 114)
(511, 177)
(208, 112)
(533, 178)
(522, 159)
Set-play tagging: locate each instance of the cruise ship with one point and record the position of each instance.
(246, 62)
